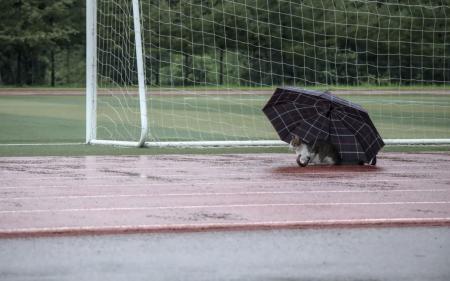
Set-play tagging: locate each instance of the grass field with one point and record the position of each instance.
(61, 119)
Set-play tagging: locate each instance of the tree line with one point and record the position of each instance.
(39, 41)
(236, 42)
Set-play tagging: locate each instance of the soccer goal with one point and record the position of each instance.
(198, 72)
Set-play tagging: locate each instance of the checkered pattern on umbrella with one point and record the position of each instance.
(314, 115)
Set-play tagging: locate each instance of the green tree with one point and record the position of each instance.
(31, 32)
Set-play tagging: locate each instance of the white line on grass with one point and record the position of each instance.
(42, 144)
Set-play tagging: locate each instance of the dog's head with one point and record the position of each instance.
(304, 151)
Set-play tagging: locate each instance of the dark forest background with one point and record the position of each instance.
(42, 42)
(239, 42)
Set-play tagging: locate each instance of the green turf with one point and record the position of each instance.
(239, 117)
(41, 119)
(60, 119)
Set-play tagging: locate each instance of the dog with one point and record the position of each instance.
(321, 152)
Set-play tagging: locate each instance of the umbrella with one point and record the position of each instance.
(320, 116)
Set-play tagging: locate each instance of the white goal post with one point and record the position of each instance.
(163, 73)
(91, 77)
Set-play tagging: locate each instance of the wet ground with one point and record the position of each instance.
(98, 195)
(367, 254)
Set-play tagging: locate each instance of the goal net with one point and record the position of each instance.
(172, 72)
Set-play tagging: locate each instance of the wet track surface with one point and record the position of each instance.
(97, 195)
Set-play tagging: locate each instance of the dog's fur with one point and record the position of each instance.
(321, 153)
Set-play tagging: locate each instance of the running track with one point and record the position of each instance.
(97, 194)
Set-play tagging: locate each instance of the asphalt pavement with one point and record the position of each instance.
(369, 254)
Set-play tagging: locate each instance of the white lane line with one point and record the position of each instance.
(185, 174)
(92, 165)
(195, 194)
(341, 180)
(74, 210)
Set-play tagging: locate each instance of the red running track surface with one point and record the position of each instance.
(98, 194)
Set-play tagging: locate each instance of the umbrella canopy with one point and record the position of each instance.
(315, 115)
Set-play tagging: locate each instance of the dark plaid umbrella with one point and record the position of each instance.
(314, 116)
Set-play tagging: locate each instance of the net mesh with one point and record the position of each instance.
(211, 65)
